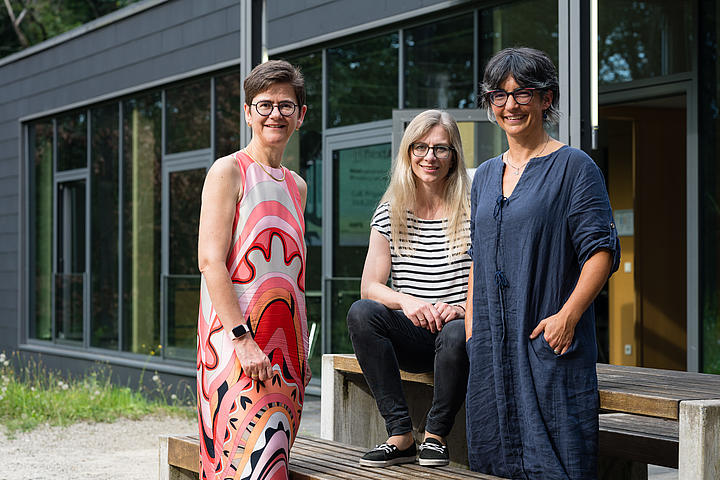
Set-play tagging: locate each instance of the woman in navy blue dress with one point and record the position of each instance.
(543, 245)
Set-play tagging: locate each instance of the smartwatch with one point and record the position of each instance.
(239, 331)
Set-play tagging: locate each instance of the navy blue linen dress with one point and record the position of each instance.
(530, 413)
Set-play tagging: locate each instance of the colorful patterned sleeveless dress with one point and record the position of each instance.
(267, 267)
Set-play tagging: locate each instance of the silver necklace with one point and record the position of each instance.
(518, 169)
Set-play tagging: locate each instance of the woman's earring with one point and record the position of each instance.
(545, 115)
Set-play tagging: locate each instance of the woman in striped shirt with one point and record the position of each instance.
(419, 239)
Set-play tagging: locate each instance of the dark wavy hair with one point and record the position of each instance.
(530, 68)
(270, 73)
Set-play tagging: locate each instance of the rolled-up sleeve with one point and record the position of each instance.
(590, 218)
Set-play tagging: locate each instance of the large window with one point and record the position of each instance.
(187, 110)
(228, 114)
(362, 80)
(439, 64)
(114, 218)
(644, 39)
(104, 198)
(142, 140)
(41, 160)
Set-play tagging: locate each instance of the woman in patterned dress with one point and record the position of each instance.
(252, 327)
(419, 238)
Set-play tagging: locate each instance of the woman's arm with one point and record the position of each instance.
(374, 286)
(221, 192)
(560, 328)
(469, 307)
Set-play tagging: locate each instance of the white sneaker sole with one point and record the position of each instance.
(440, 462)
(386, 463)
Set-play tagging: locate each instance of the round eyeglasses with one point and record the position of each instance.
(266, 107)
(499, 98)
(441, 152)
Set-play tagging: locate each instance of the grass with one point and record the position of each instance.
(32, 395)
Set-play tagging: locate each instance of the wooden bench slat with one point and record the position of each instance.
(639, 404)
(318, 459)
(639, 438)
(348, 363)
(316, 453)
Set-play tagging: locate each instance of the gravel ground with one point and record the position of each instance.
(125, 449)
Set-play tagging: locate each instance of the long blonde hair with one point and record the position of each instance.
(402, 188)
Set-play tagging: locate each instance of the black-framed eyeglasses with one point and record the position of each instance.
(522, 96)
(440, 151)
(266, 107)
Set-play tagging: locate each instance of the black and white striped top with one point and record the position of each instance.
(425, 272)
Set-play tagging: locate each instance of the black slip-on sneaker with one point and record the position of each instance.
(433, 453)
(384, 455)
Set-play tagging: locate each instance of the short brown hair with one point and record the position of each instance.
(272, 72)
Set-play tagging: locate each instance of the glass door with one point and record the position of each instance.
(358, 162)
(70, 262)
(182, 190)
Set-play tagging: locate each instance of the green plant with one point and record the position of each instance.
(31, 395)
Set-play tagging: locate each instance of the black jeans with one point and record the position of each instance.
(386, 340)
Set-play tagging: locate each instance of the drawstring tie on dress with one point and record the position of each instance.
(500, 279)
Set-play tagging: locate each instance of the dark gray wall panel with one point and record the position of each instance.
(8, 225)
(9, 263)
(290, 22)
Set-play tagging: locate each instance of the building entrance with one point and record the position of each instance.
(643, 154)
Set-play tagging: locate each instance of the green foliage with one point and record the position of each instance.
(32, 395)
(45, 19)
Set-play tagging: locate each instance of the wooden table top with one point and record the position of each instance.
(651, 391)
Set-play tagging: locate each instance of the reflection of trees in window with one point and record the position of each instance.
(141, 222)
(228, 114)
(648, 39)
(72, 141)
(439, 64)
(41, 145)
(362, 80)
(104, 205)
(531, 23)
(187, 115)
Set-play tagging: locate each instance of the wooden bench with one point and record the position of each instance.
(310, 459)
(648, 416)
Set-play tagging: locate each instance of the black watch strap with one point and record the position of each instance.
(240, 330)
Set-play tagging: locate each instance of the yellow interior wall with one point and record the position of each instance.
(623, 328)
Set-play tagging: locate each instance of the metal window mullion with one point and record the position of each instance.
(476, 57)
(326, 223)
(213, 155)
(53, 239)
(88, 265)
(164, 221)
(692, 217)
(121, 219)
(564, 66)
(401, 68)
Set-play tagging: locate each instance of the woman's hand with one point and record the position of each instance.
(255, 363)
(422, 314)
(449, 312)
(559, 331)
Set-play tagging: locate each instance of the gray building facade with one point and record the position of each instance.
(106, 132)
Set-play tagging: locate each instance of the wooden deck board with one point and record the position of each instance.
(318, 459)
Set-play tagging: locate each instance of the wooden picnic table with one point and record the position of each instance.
(648, 415)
